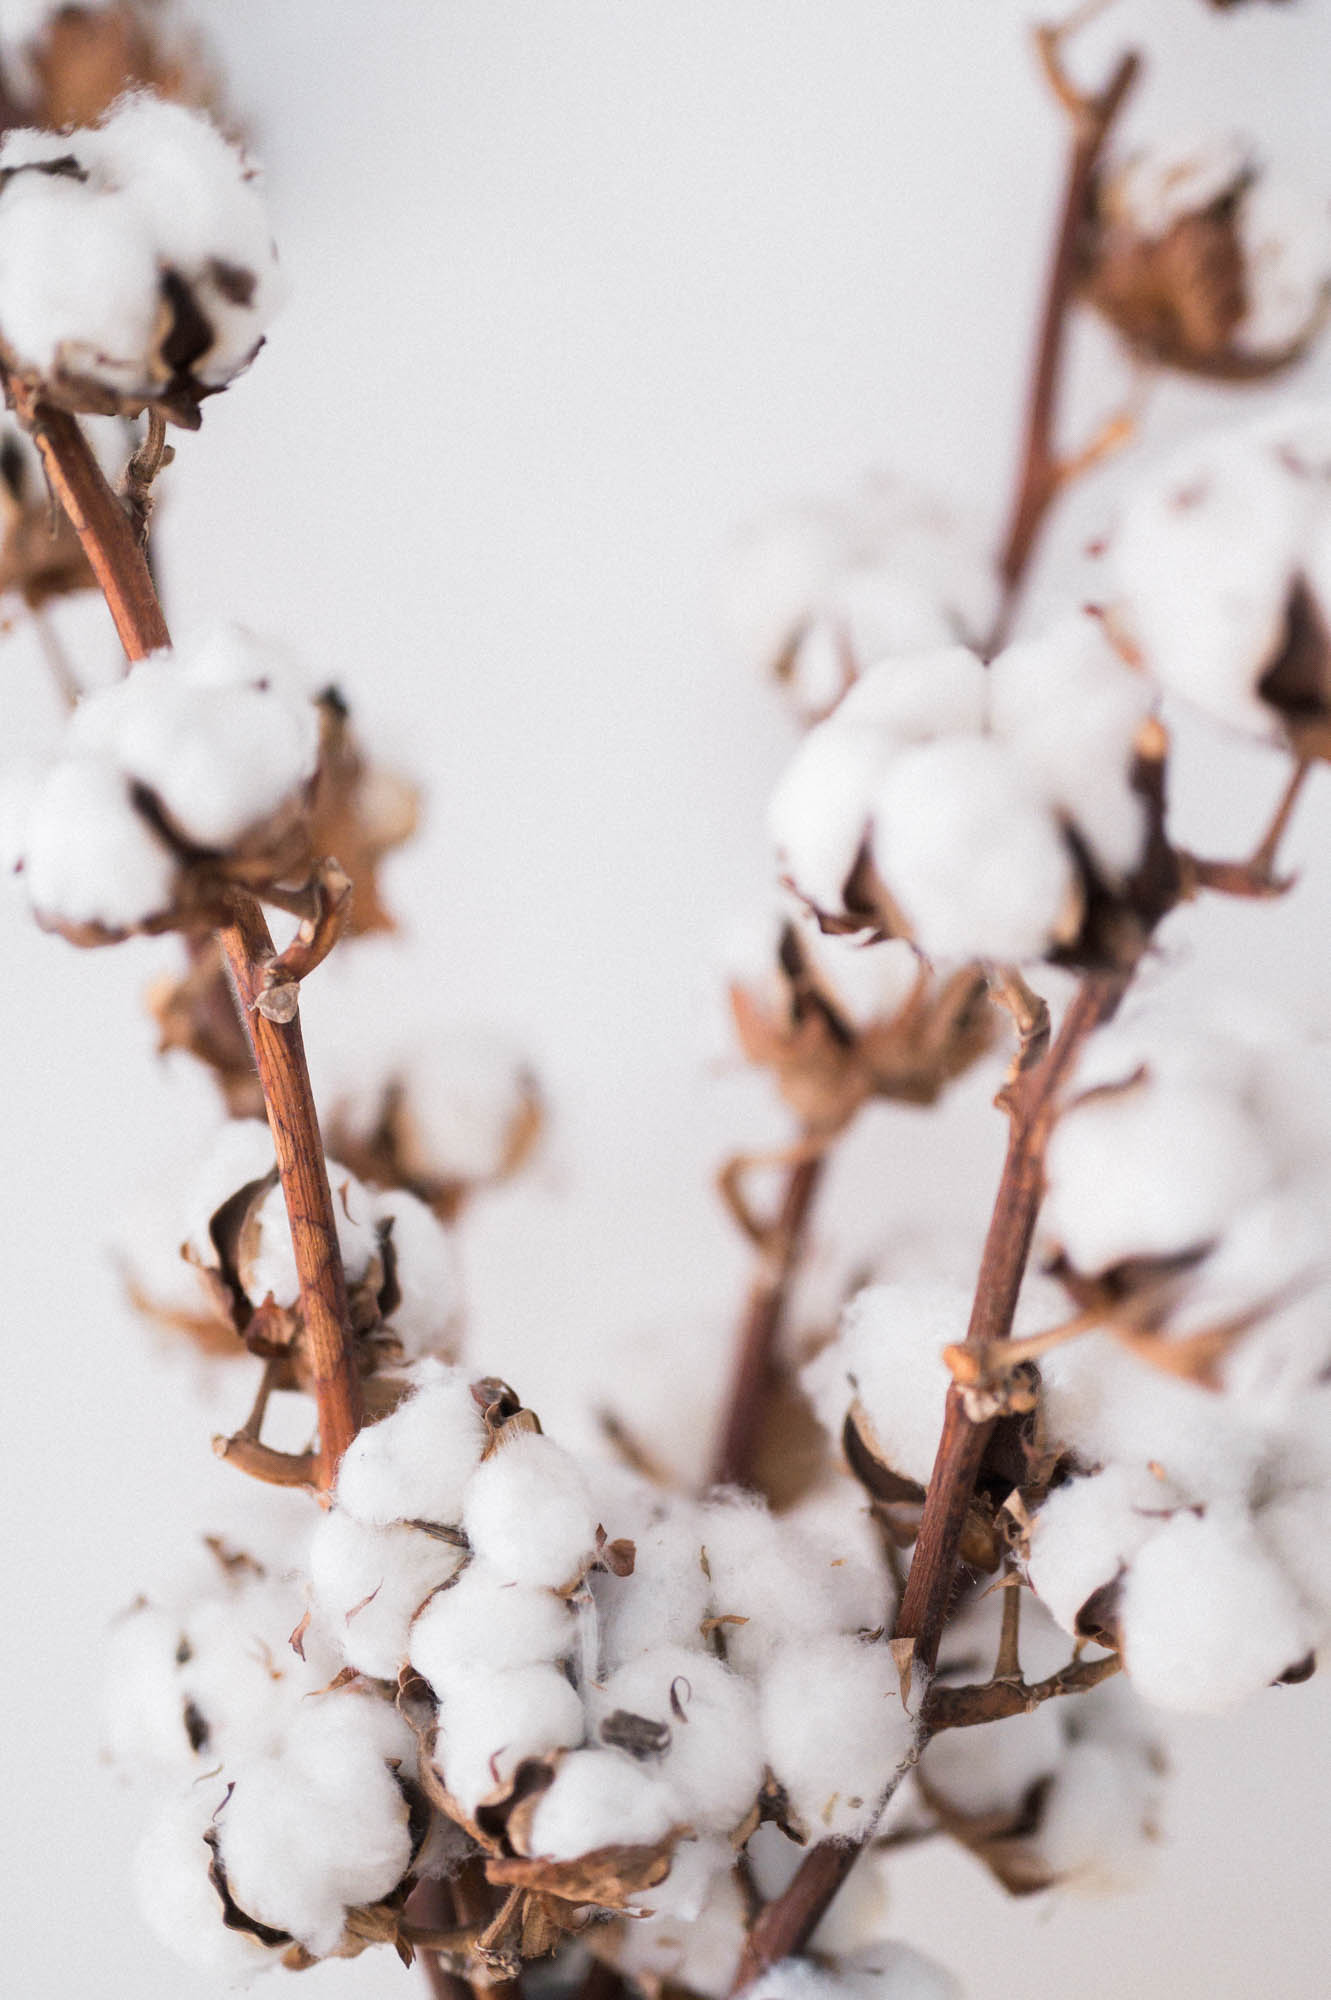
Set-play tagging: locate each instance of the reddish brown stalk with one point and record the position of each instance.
(1041, 470)
(741, 1435)
(1032, 1101)
(117, 560)
(994, 1701)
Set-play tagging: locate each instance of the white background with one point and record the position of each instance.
(577, 286)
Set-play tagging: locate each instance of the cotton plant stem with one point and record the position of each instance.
(1041, 471)
(741, 1434)
(118, 562)
(1033, 1106)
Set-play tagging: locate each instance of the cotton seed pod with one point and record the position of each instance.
(67, 65)
(136, 266)
(1221, 570)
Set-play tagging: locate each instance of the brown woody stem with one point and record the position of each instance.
(964, 1707)
(1032, 1105)
(741, 1434)
(1041, 471)
(118, 562)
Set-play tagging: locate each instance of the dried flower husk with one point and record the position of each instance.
(1179, 297)
(85, 57)
(392, 1154)
(359, 812)
(826, 1067)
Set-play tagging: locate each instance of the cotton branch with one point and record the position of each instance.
(113, 550)
(1042, 471)
(995, 1700)
(741, 1435)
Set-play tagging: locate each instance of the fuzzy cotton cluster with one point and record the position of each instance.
(196, 766)
(817, 593)
(1205, 262)
(1222, 576)
(1189, 1195)
(288, 1802)
(136, 264)
(236, 1257)
(572, 1694)
(884, 1378)
(973, 811)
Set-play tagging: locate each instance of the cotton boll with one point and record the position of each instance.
(1206, 1616)
(768, 1580)
(303, 1837)
(1097, 1820)
(414, 1464)
(1156, 1169)
(369, 1583)
(241, 1680)
(835, 1730)
(712, 1757)
(528, 1512)
(1071, 710)
(492, 1722)
(700, 1955)
(819, 813)
(1204, 557)
(464, 1097)
(89, 857)
(1295, 1526)
(1088, 1530)
(665, 1599)
(1286, 237)
(601, 1798)
(79, 279)
(836, 1524)
(888, 1357)
(1104, 1404)
(1178, 176)
(425, 1319)
(972, 857)
(482, 1620)
(219, 733)
(178, 1901)
(267, 1259)
(143, 1710)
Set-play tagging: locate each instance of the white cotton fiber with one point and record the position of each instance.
(491, 1721)
(465, 1096)
(1206, 1616)
(425, 1319)
(1176, 176)
(1070, 709)
(776, 577)
(713, 1754)
(368, 1584)
(665, 1599)
(819, 812)
(89, 857)
(971, 854)
(178, 1901)
(1096, 1823)
(888, 1357)
(267, 1260)
(1150, 1170)
(1088, 1530)
(602, 1798)
(414, 1464)
(240, 1151)
(886, 1971)
(696, 1867)
(528, 1512)
(220, 732)
(834, 1729)
(1286, 236)
(769, 1580)
(483, 1620)
(315, 1830)
(697, 1954)
(79, 279)
(143, 1708)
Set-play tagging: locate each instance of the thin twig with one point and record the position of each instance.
(1041, 472)
(741, 1432)
(995, 1700)
(117, 560)
(1257, 875)
(1002, 1268)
